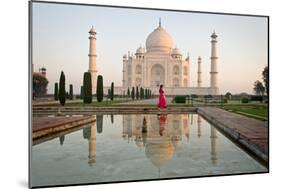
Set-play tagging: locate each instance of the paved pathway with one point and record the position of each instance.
(251, 133)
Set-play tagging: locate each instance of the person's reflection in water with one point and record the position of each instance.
(162, 121)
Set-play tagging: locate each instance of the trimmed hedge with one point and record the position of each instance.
(100, 88)
(179, 99)
(62, 93)
(70, 97)
(82, 92)
(245, 100)
(56, 95)
(133, 93)
(87, 88)
(112, 91)
(256, 98)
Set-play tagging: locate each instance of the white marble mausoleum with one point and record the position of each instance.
(160, 62)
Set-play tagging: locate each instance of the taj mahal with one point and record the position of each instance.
(159, 63)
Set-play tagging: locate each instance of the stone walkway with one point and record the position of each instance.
(251, 133)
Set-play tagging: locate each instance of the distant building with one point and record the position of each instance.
(40, 82)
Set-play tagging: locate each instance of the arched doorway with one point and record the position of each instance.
(157, 76)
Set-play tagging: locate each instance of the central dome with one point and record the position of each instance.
(159, 40)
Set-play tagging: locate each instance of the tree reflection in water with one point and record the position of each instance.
(99, 122)
(61, 138)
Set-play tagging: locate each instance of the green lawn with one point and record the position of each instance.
(257, 112)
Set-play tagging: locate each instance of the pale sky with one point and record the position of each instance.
(60, 42)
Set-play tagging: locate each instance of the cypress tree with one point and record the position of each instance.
(87, 88)
(56, 93)
(99, 122)
(145, 94)
(62, 89)
(99, 88)
(82, 92)
(137, 93)
(133, 93)
(70, 92)
(141, 93)
(128, 92)
(112, 91)
(108, 94)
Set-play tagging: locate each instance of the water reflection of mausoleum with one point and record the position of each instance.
(163, 133)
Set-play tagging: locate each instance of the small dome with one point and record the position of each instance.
(176, 51)
(140, 50)
(125, 56)
(159, 40)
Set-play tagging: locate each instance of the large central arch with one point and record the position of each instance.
(157, 75)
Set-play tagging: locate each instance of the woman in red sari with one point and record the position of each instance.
(162, 101)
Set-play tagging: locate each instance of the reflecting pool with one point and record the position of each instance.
(138, 147)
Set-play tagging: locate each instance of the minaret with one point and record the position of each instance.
(214, 68)
(124, 71)
(199, 73)
(92, 59)
(188, 71)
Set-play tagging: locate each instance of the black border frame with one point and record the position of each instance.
(30, 62)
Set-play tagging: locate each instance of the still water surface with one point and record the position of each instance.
(137, 147)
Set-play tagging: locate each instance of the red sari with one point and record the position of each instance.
(162, 101)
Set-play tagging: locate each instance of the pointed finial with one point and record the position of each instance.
(92, 30)
(159, 21)
(214, 35)
(187, 57)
